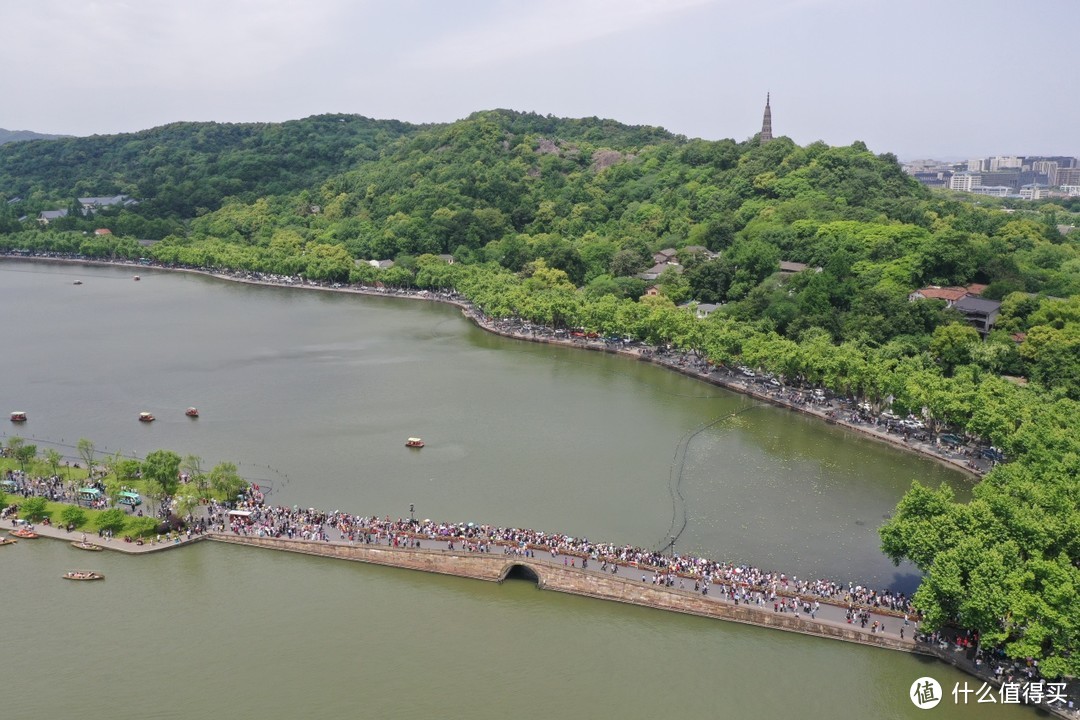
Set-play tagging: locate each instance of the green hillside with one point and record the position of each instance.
(179, 170)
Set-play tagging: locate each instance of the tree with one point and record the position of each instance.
(86, 452)
(187, 499)
(53, 458)
(952, 344)
(112, 520)
(192, 465)
(155, 493)
(226, 481)
(25, 453)
(163, 466)
(73, 516)
(34, 509)
(626, 262)
(709, 281)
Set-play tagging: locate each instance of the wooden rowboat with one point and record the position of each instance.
(7, 541)
(83, 575)
(86, 546)
(24, 533)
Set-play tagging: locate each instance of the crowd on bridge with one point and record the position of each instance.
(742, 582)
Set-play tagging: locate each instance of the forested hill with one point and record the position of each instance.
(178, 170)
(10, 136)
(501, 176)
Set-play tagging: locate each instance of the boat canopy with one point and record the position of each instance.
(415, 440)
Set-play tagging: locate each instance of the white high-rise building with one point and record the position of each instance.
(1002, 162)
(964, 182)
(976, 165)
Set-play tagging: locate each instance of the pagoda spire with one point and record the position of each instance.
(766, 123)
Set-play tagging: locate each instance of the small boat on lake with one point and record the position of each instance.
(25, 534)
(414, 443)
(83, 575)
(137, 278)
(77, 282)
(146, 417)
(7, 541)
(87, 546)
(18, 416)
(192, 412)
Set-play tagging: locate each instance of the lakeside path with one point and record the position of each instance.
(827, 411)
(52, 532)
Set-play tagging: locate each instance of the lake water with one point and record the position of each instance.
(313, 395)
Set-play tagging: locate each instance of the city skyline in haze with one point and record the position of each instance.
(918, 79)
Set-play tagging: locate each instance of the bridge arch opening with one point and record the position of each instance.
(518, 571)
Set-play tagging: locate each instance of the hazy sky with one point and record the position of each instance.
(919, 78)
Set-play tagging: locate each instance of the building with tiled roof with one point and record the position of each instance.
(949, 294)
(979, 313)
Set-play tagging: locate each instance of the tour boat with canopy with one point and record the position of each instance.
(18, 416)
(192, 412)
(414, 442)
(146, 417)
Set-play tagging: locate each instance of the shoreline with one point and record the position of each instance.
(825, 412)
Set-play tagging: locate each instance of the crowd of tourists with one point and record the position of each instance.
(50, 487)
(741, 582)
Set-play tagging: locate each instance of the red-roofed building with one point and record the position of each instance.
(103, 231)
(976, 289)
(948, 294)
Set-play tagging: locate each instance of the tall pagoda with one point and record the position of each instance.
(766, 123)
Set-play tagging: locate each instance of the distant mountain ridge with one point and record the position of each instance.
(185, 168)
(10, 136)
